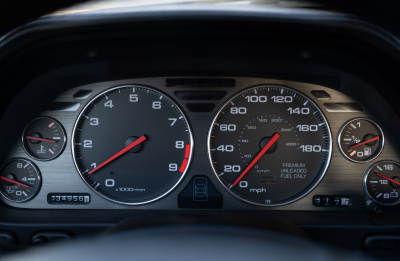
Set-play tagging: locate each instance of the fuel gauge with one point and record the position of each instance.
(360, 140)
(44, 139)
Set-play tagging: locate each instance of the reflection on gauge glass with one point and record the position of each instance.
(360, 140)
(269, 145)
(44, 139)
(132, 144)
(20, 180)
(382, 182)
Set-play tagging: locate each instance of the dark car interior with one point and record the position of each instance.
(195, 130)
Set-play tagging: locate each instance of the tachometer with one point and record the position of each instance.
(132, 144)
(269, 145)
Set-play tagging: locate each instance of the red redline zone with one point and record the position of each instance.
(185, 160)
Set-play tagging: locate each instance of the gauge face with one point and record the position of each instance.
(269, 145)
(132, 144)
(20, 180)
(382, 182)
(44, 139)
(360, 140)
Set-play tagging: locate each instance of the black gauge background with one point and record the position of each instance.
(41, 125)
(367, 127)
(293, 189)
(379, 188)
(147, 168)
(19, 173)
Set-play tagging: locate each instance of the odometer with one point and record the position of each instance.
(269, 145)
(132, 144)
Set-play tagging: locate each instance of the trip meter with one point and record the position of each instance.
(269, 145)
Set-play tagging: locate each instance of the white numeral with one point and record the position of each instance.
(227, 148)
(109, 104)
(173, 121)
(156, 105)
(179, 144)
(87, 143)
(173, 167)
(94, 121)
(133, 98)
(240, 110)
(110, 183)
(229, 168)
(227, 127)
(256, 98)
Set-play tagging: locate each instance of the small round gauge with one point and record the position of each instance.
(20, 180)
(44, 139)
(132, 144)
(382, 182)
(360, 140)
(269, 145)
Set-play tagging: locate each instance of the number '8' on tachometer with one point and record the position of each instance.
(269, 145)
(132, 144)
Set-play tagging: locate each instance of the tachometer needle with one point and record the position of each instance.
(364, 142)
(391, 180)
(127, 148)
(34, 138)
(262, 152)
(15, 182)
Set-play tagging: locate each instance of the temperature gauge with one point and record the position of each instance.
(20, 180)
(360, 140)
(44, 139)
(382, 182)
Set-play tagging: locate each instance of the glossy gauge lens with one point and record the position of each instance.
(269, 145)
(44, 139)
(382, 182)
(132, 144)
(360, 140)
(20, 180)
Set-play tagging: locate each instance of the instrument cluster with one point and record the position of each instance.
(230, 143)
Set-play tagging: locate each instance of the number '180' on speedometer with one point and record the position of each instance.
(269, 145)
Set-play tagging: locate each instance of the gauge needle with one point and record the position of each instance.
(127, 148)
(392, 180)
(262, 152)
(15, 182)
(34, 138)
(364, 142)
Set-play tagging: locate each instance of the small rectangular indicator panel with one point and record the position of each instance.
(68, 198)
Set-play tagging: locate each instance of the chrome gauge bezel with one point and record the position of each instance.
(131, 86)
(365, 182)
(23, 139)
(380, 133)
(312, 186)
(39, 176)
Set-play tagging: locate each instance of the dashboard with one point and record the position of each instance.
(213, 117)
(194, 123)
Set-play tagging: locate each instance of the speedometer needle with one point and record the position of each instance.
(35, 138)
(364, 142)
(392, 180)
(262, 152)
(121, 152)
(15, 182)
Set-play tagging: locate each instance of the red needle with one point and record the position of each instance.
(392, 180)
(13, 181)
(364, 142)
(34, 138)
(262, 152)
(131, 146)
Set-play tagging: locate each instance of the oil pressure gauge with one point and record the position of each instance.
(44, 139)
(360, 140)
(20, 180)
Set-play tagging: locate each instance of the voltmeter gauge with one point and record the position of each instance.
(44, 139)
(360, 140)
(20, 180)
(382, 182)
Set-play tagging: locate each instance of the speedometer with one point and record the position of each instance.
(269, 145)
